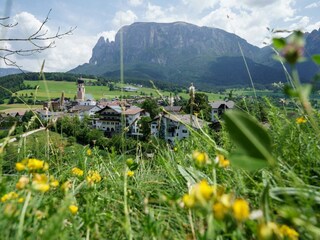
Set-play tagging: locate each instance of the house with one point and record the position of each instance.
(88, 102)
(49, 115)
(83, 110)
(113, 119)
(173, 127)
(130, 89)
(218, 108)
(172, 109)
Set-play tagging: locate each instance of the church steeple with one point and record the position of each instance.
(81, 90)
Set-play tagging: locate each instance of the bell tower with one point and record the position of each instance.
(81, 90)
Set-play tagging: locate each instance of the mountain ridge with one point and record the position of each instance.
(181, 52)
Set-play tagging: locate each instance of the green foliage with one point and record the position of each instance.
(252, 140)
(201, 106)
(151, 106)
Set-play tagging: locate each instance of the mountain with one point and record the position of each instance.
(8, 71)
(181, 53)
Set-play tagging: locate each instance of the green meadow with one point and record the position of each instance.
(53, 89)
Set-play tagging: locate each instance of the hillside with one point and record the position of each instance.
(182, 53)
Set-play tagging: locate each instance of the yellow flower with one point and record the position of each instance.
(219, 210)
(202, 192)
(130, 173)
(20, 166)
(66, 186)
(54, 182)
(300, 120)
(22, 183)
(93, 177)
(35, 164)
(268, 231)
(222, 161)
(77, 172)
(205, 190)
(45, 167)
(287, 232)
(89, 152)
(40, 183)
(200, 158)
(241, 209)
(73, 209)
(188, 200)
(9, 196)
(21, 200)
(175, 149)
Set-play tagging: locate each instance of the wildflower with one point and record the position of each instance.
(93, 177)
(21, 200)
(222, 161)
(66, 186)
(202, 192)
(200, 158)
(35, 164)
(89, 152)
(219, 210)
(287, 232)
(175, 149)
(40, 183)
(45, 167)
(54, 182)
(40, 215)
(205, 189)
(77, 172)
(20, 166)
(188, 200)
(301, 120)
(73, 209)
(23, 181)
(268, 230)
(241, 209)
(226, 199)
(130, 173)
(10, 210)
(9, 196)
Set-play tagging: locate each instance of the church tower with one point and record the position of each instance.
(81, 90)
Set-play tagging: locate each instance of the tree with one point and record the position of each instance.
(38, 41)
(151, 106)
(201, 106)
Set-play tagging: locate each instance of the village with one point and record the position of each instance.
(113, 116)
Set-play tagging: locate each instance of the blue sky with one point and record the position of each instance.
(247, 18)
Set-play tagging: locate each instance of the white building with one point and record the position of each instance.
(88, 102)
(113, 119)
(173, 127)
(84, 110)
(219, 107)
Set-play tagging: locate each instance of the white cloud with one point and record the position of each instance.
(313, 26)
(249, 21)
(68, 50)
(122, 18)
(313, 5)
(158, 14)
(199, 6)
(108, 35)
(135, 2)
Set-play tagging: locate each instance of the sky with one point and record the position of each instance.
(249, 19)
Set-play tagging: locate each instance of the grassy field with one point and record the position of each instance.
(53, 89)
(244, 183)
(17, 107)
